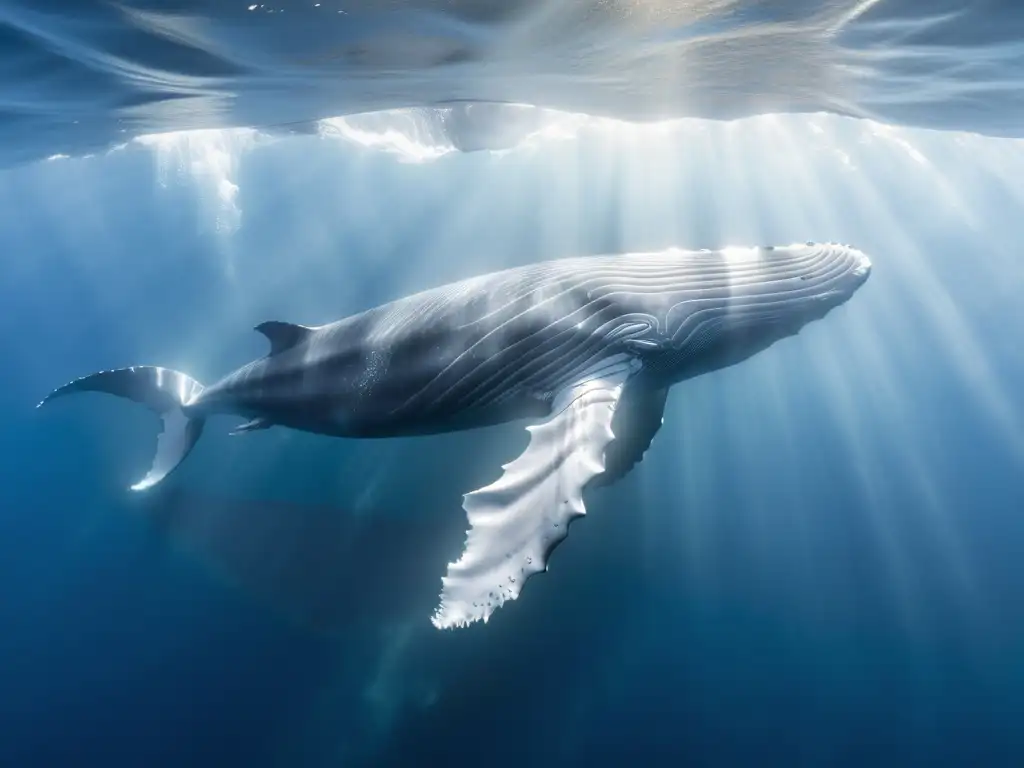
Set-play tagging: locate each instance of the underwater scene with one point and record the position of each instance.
(529, 383)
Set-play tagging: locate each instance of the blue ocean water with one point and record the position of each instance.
(817, 562)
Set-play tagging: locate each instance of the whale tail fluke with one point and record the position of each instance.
(168, 393)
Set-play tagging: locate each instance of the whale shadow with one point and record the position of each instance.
(320, 567)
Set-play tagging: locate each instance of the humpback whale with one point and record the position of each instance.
(585, 347)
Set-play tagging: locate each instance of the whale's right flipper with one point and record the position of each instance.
(516, 521)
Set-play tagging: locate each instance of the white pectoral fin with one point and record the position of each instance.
(516, 521)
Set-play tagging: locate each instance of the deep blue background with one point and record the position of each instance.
(818, 562)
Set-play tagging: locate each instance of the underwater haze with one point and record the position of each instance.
(818, 561)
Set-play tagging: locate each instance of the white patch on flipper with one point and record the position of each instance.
(516, 520)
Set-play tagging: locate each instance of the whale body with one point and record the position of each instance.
(585, 347)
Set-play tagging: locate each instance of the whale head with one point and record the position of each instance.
(743, 300)
(785, 288)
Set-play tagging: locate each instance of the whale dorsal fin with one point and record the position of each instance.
(283, 335)
(516, 521)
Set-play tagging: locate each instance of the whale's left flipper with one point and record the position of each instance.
(516, 521)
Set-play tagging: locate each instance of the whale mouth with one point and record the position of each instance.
(858, 274)
(854, 272)
(862, 270)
